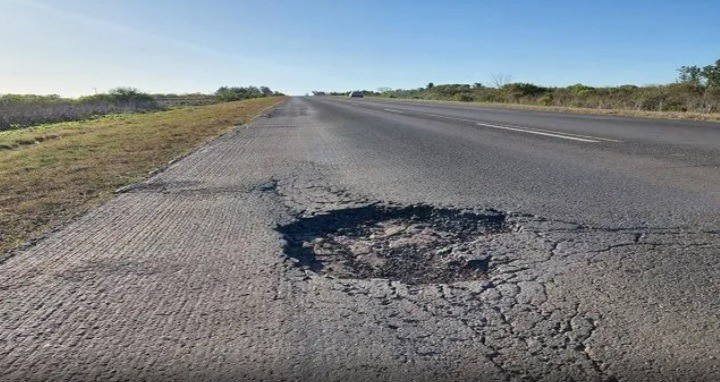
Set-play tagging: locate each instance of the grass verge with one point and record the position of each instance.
(679, 115)
(52, 173)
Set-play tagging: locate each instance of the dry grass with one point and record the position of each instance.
(51, 173)
(680, 115)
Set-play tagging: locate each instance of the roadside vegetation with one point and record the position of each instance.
(51, 173)
(20, 110)
(171, 100)
(226, 94)
(695, 94)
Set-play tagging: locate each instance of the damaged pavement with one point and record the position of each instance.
(283, 251)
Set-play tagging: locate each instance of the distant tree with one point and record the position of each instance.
(707, 76)
(711, 73)
(691, 75)
(501, 79)
(578, 88)
(430, 85)
(124, 92)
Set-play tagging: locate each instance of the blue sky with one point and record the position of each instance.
(72, 47)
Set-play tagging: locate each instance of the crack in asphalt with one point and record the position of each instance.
(509, 310)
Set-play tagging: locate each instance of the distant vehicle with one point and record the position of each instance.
(355, 94)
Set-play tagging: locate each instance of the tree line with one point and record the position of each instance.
(696, 89)
(226, 94)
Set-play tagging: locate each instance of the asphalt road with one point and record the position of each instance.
(599, 170)
(597, 240)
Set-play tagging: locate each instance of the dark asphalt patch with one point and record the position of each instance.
(417, 244)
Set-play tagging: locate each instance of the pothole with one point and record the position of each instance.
(416, 244)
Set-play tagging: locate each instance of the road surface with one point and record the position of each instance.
(593, 240)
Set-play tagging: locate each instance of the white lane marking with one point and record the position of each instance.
(579, 137)
(561, 135)
(554, 135)
(575, 137)
(590, 137)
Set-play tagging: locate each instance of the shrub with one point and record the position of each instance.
(546, 100)
(464, 98)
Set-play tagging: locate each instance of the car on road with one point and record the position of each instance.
(356, 94)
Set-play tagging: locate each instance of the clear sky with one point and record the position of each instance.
(72, 47)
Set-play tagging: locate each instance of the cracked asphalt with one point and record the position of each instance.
(608, 269)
